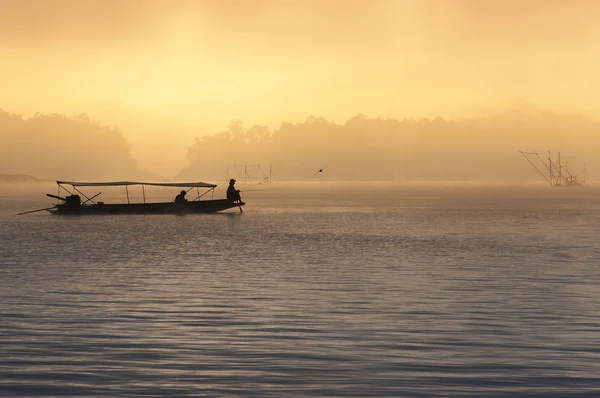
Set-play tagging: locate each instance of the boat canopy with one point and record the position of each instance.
(126, 183)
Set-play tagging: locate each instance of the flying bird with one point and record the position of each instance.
(320, 171)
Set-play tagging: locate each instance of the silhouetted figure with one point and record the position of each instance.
(181, 197)
(232, 193)
(73, 201)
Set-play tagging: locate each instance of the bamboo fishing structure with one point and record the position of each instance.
(554, 172)
(251, 173)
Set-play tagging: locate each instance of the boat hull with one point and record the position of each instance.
(203, 206)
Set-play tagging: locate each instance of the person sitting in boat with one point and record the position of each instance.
(73, 201)
(232, 193)
(181, 197)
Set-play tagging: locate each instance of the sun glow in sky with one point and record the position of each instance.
(187, 68)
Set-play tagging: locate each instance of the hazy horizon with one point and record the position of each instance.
(477, 150)
(160, 74)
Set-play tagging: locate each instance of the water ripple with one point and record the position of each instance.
(402, 301)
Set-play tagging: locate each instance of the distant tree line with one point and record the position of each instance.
(361, 149)
(57, 146)
(378, 149)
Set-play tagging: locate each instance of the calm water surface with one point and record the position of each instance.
(382, 292)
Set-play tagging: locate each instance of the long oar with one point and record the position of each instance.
(56, 197)
(33, 211)
(65, 199)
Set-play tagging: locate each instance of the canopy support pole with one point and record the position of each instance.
(82, 194)
(84, 202)
(127, 193)
(199, 196)
(61, 187)
(144, 192)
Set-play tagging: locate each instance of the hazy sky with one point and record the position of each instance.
(188, 67)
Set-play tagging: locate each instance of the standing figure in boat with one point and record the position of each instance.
(232, 193)
(181, 197)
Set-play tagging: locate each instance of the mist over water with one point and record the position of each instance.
(315, 290)
(362, 148)
(418, 264)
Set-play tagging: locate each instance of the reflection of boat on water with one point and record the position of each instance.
(77, 203)
(553, 171)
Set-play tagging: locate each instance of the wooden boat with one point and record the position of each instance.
(77, 203)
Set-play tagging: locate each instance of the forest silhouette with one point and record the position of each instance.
(56, 146)
(482, 149)
(387, 149)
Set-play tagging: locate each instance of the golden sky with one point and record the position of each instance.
(187, 68)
